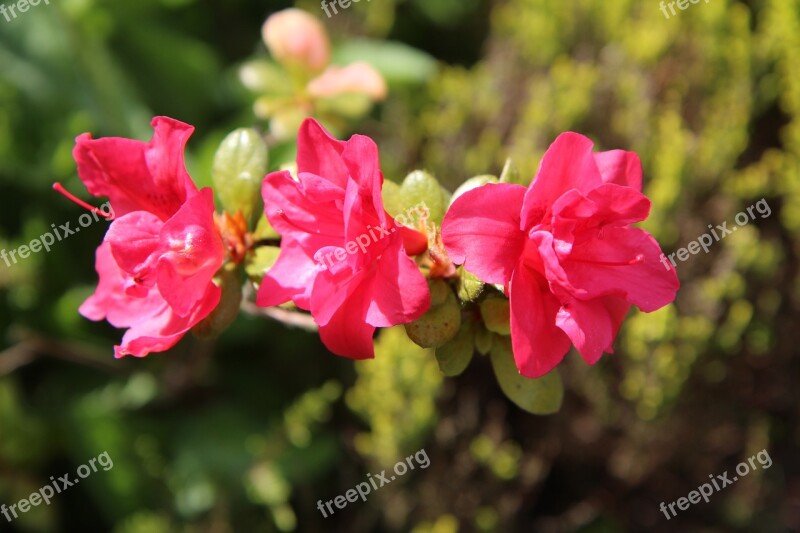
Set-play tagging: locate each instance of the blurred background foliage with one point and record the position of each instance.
(247, 432)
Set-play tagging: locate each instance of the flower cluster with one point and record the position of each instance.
(563, 250)
(520, 273)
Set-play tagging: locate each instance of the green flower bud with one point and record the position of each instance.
(439, 291)
(496, 313)
(421, 189)
(238, 171)
(438, 325)
(473, 183)
(541, 396)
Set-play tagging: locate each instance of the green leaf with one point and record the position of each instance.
(397, 62)
(238, 171)
(541, 396)
(454, 356)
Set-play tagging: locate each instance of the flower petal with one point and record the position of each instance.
(567, 164)
(319, 153)
(398, 290)
(163, 330)
(290, 278)
(620, 167)
(138, 176)
(358, 77)
(624, 262)
(538, 344)
(592, 325)
(481, 230)
(192, 253)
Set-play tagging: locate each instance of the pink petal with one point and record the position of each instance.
(635, 272)
(592, 325)
(620, 167)
(193, 253)
(111, 301)
(339, 305)
(567, 164)
(160, 332)
(398, 290)
(481, 230)
(138, 176)
(290, 278)
(539, 346)
(359, 78)
(347, 337)
(291, 209)
(135, 241)
(319, 153)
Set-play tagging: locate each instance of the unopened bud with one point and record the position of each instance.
(296, 38)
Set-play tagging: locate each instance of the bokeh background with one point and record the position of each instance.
(247, 432)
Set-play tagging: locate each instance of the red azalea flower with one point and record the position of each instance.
(564, 250)
(342, 256)
(160, 254)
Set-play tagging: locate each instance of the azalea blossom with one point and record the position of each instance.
(564, 250)
(335, 200)
(160, 254)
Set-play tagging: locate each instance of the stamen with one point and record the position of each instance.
(59, 188)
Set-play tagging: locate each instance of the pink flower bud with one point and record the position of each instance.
(358, 77)
(294, 37)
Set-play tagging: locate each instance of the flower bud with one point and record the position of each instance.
(296, 38)
(239, 168)
(438, 325)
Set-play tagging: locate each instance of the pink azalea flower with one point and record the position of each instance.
(342, 256)
(160, 254)
(564, 250)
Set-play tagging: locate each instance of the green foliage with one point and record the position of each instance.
(395, 394)
(540, 396)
